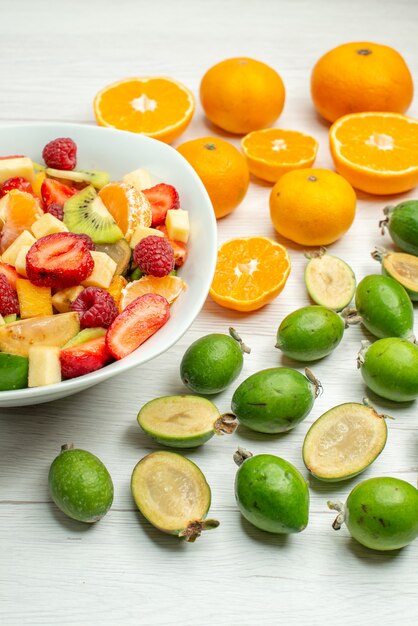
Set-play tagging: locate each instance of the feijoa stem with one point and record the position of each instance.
(336, 505)
(226, 424)
(242, 455)
(360, 357)
(67, 446)
(245, 349)
(350, 316)
(194, 529)
(379, 253)
(383, 225)
(315, 254)
(369, 405)
(313, 379)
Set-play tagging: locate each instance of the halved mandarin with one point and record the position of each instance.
(170, 287)
(129, 207)
(21, 210)
(156, 106)
(249, 273)
(376, 152)
(272, 152)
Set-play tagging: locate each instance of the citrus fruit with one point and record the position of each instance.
(376, 152)
(361, 76)
(21, 211)
(222, 169)
(241, 94)
(156, 106)
(272, 152)
(249, 273)
(128, 206)
(169, 287)
(312, 207)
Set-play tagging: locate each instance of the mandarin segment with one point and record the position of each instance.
(170, 287)
(128, 206)
(21, 211)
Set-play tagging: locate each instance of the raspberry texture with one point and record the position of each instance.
(9, 302)
(96, 307)
(17, 182)
(154, 256)
(56, 210)
(87, 240)
(60, 154)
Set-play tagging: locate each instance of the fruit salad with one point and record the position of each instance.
(88, 266)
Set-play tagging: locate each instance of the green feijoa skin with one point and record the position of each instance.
(400, 266)
(329, 280)
(390, 368)
(380, 513)
(80, 485)
(275, 400)
(402, 224)
(383, 306)
(184, 421)
(271, 493)
(310, 333)
(213, 362)
(13, 372)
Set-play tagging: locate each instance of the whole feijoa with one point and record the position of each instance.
(310, 333)
(402, 223)
(380, 513)
(275, 400)
(213, 362)
(271, 493)
(80, 484)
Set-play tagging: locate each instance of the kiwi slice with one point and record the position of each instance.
(87, 334)
(96, 178)
(120, 252)
(85, 213)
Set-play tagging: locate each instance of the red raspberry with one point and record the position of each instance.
(154, 256)
(56, 210)
(96, 307)
(17, 182)
(87, 240)
(61, 154)
(9, 302)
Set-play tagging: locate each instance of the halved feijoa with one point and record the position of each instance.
(344, 441)
(120, 252)
(400, 266)
(329, 280)
(402, 223)
(13, 372)
(172, 494)
(183, 421)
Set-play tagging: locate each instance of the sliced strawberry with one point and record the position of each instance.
(13, 156)
(10, 273)
(162, 198)
(54, 192)
(179, 248)
(141, 319)
(16, 182)
(84, 358)
(60, 260)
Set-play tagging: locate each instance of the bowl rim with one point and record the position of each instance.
(87, 380)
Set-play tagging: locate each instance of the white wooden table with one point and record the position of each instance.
(54, 57)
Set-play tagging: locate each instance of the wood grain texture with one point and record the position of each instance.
(55, 56)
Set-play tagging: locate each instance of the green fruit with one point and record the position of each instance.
(380, 513)
(390, 368)
(136, 274)
(120, 252)
(402, 224)
(94, 177)
(271, 493)
(212, 362)
(85, 213)
(87, 334)
(329, 280)
(183, 421)
(275, 400)
(13, 372)
(401, 267)
(8, 319)
(383, 306)
(344, 441)
(310, 333)
(80, 485)
(172, 494)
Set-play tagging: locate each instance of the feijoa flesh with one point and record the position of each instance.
(402, 224)
(310, 333)
(183, 421)
(344, 441)
(401, 267)
(80, 485)
(275, 400)
(380, 513)
(13, 371)
(329, 280)
(172, 494)
(271, 493)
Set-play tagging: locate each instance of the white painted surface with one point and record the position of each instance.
(122, 571)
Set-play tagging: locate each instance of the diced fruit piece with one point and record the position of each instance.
(62, 300)
(84, 358)
(169, 287)
(10, 273)
(80, 485)
(179, 248)
(2, 322)
(96, 307)
(329, 280)
(162, 484)
(9, 319)
(116, 287)
(93, 177)
(139, 321)
(140, 179)
(103, 271)
(53, 330)
(162, 198)
(86, 213)
(129, 207)
(44, 366)
(47, 225)
(60, 153)
(53, 192)
(59, 260)
(13, 372)
(178, 226)
(141, 232)
(155, 256)
(120, 252)
(17, 182)
(9, 303)
(24, 240)
(16, 166)
(20, 263)
(37, 183)
(85, 335)
(22, 210)
(33, 301)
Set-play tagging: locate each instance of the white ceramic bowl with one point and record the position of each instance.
(120, 152)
